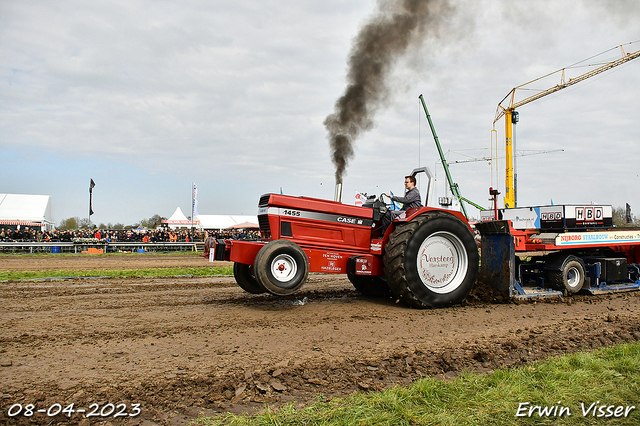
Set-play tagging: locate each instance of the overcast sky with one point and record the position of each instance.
(146, 97)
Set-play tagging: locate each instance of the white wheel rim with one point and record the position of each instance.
(573, 277)
(284, 268)
(442, 262)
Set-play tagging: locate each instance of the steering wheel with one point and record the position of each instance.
(388, 203)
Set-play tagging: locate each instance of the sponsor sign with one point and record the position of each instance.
(363, 267)
(597, 238)
(588, 216)
(487, 215)
(437, 263)
(523, 218)
(332, 262)
(559, 217)
(551, 215)
(376, 246)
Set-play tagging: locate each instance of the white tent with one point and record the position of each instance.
(26, 210)
(224, 221)
(179, 220)
(207, 221)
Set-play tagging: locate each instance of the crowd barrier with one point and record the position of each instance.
(96, 248)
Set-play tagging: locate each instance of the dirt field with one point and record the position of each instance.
(179, 347)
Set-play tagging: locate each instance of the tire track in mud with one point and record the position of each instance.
(120, 292)
(91, 297)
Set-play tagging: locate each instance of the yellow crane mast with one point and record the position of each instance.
(507, 108)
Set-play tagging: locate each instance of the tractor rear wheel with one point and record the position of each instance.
(370, 286)
(281, 267)
(431, 261)
(246, 279)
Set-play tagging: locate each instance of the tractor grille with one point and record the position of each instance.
(265, 231)
(264, 200)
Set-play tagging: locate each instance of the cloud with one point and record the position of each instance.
(232, 95)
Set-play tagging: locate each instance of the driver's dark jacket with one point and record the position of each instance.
(410, 199)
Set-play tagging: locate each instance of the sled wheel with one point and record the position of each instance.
(570, 277)
(431, 261)
(245, 278)
(281, 267)
(370, 286)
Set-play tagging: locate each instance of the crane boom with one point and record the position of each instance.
(508, 112)
(511, 95)
(522, 154)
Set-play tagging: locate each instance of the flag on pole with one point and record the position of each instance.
(194, 206)
(92, 184)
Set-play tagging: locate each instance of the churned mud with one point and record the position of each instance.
(175, 348)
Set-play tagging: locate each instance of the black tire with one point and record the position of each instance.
(448, 244)
(370, 286)
(281, 267)
(570, 277)
(245, 278)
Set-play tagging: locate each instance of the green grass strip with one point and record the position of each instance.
(608, 377)
(118, 273)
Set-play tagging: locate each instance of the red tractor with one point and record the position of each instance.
(426, 258)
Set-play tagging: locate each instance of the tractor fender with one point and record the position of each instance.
(414, 212)
(417, 211)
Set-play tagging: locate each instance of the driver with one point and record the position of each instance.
(411, 199)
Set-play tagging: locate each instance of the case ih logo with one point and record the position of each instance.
(351, 220)
(589, 214)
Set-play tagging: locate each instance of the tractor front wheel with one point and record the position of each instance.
(246, 279)
(281, 267)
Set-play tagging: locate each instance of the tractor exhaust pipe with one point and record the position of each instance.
(338, 195)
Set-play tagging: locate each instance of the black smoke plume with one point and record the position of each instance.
(398, 26)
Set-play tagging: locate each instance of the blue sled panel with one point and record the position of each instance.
(497, 269)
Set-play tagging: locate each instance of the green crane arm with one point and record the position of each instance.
(472, 203)
(455, 190)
